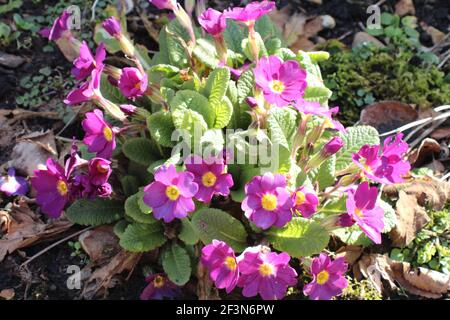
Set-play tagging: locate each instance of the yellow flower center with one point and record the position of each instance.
(230, 262)
(102, 168)
(266, 269)
(158, 282)
(61, 186)
(172, 193)
(358, 212)
(322, 277)
(269, 202)
(276, 86)
(209, 179)
(107, 133)
(138, 85)
(299, 198)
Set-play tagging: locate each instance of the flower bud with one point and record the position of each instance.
(332, 146)
(112, 26)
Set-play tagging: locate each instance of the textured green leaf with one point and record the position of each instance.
(353, 236)
(217, 84)
(177, 264)
(130, 185)
(205, 51)
(354, 139)
(144, 208)
(224, 112)
(139, 150)
(188, 234)
(245, 85)
(161, 128)
(142, 237)
(326, 175)
(176, 35)
(119, 227)
(282, 125)
(213, 224)
(133, 210)
(317, 94)
(95, 212)
(111, 92)
(192, 100)
(390, 218)
(233, 35)
(300, 237)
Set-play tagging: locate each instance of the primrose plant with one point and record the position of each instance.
(220, 150)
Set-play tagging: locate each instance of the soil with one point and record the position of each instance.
(45, 279)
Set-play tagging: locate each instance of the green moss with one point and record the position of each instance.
(360, 290)
(367, 73)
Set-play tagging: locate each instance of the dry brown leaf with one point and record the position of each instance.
(5, 222)
(428, 149)
(364, 37)
(100, 243)
(428, 191)
(7, 294)
(441, 133)
(404, 7)
(436, 166)
(385, 274)
(387, 115)
(350, 253)
(205, 288)
(411, 218)
(26, 229)
(40, 144)
(437, 36)
(105, 277)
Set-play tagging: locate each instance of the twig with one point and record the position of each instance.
(53, 245)
(93, 10)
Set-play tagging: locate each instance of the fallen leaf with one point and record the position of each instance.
(385, 274)
(364, 37)
(404, 7)
(441, 133)
(105, 277)
(100, 243)
(39, 144)
(387, 115)
(5, 222)
(437, 36)
(411, 218)
(10, 61)
(351, 253)
(7, 294)
(428, 191)
(436, 166)
(427, 150)
(26, 228)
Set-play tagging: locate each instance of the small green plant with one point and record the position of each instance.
(403, 70)
(77, 251)
(431, 246)
(360, 290)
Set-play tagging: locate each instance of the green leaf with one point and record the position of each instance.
(94, 212)
(241, 175)
(139, 237)
(177, 264)
(188, 234)
(353, 236)
(142, 205)
(186, 100)
(206, 52)
(139, 150)
(176, 35)
(300, 237)
(133, 210)
(130, 185)
(161, 127)
(224, 112)
(354, 139)
(119, 227)
(11, 5)
(216, 224)
(317, 94)
(111, 92)
(233, 35)
(267, 29)
(390, 218)
(112, 45)
(282, 125)
(326, 176)
(216, 85)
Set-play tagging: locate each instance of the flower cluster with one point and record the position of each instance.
(171, 194)
(259, 271)
(203, 82)
(56, 186)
